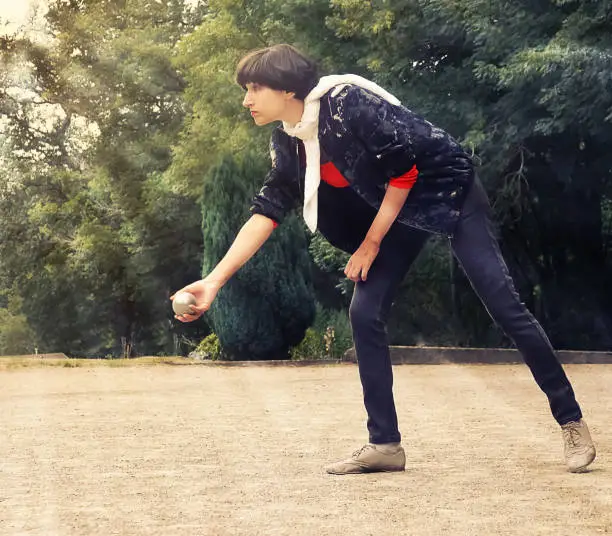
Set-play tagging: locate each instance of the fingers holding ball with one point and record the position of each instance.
(182, 302)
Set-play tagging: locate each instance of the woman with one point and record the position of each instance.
(378, 180)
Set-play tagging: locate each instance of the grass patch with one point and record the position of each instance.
(19, 362)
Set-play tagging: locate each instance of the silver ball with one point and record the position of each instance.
(181, 303)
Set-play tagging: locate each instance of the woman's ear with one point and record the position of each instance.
(289, 95)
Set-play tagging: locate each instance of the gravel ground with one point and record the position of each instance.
(162, 450)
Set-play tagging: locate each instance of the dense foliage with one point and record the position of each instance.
(267, 306)
(110, 124)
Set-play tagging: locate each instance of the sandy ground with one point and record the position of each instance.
(197, 450)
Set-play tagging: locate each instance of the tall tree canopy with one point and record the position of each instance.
(110, 126)
(90, 119)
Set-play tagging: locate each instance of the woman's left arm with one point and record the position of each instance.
(360, 262)
(384, 133)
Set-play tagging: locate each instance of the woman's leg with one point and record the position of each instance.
(476, 248)
(368, 313)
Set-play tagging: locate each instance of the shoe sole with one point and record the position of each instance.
(578, 470)
(583, 468)
(367, 471)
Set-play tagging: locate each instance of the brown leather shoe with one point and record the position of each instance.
(578, 446)
(370, 459)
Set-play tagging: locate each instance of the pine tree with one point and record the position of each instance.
(269, 303)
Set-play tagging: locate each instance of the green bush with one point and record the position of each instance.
(16, 335)
(210, 348)
(266, 307)
(329, 338)
(311, 347)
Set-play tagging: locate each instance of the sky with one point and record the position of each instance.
(14, 13)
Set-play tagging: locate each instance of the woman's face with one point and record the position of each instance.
(265, 104)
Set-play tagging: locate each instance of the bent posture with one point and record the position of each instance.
(377, 180)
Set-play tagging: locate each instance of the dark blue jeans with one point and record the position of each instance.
(477, 251)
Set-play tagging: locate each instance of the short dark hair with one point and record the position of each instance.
(280, 67)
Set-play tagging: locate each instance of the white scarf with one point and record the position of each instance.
(308, 131)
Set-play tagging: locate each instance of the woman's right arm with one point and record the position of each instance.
(249, 239)
(278, 195)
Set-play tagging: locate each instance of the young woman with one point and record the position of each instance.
(377, 180)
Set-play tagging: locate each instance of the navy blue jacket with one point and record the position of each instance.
(371, 141)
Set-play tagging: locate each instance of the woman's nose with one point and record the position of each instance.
(246, 102)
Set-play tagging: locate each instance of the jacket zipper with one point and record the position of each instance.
(297, 168)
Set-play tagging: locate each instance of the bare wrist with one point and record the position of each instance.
(215, 280)
(374, 240)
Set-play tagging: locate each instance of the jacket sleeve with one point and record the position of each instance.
(280, 191)
(383, 128)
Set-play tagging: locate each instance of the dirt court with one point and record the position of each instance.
(201, 450)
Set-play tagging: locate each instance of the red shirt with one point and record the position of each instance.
(332, 176)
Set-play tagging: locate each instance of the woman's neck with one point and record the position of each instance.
(294, 111)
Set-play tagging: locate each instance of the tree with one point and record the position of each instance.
(106, 238)
(525, 86)
(109, 129)
(267, 306)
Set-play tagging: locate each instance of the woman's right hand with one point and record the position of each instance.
(204, 292)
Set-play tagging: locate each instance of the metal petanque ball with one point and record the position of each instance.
(181, 303)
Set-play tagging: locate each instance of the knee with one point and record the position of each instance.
(363, 315)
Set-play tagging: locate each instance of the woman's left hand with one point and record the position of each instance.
(360, 262)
